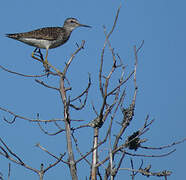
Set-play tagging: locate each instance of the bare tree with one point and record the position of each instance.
(112, 112)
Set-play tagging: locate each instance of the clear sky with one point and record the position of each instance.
(160, 75)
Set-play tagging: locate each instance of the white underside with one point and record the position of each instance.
(39, 43)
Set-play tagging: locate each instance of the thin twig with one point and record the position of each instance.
(85, 91)
(28, 119)
(72, 57)
(165, 146)
(46, 85)
(147, 173)
(45, 150)
(55, 163)
(103, 51)
(50, 134)
(144, 155)
(24, 75)
(9, 170)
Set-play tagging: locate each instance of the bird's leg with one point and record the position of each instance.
(35, 50)
(47, 65)
(46, 56)
(37, 53)
(33, 55)
(41, 59)
(45, 62)
(40, 55)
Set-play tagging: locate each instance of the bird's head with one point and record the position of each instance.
(72, 23)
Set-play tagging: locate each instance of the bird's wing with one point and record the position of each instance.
(48, 33)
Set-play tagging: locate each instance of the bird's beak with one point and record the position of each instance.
(83, 25)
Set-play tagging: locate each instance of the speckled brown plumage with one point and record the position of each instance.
(47, 33)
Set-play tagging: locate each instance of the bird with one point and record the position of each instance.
(48, 37)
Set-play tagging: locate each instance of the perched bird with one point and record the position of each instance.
(48, 37)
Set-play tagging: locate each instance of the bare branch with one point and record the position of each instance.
(88, 153)
(9, 170)
(132, 165)
(28, 119)
(50, 134)
(103, 51)
(144, 155)
(17, 160)
(72, 57)
(166, 146)
(11, 152)
(129, 112)
(55, 163)
(147, 173)
(78, 150)
(10, 122)
(45, 150)
(46, 85)
(121, 83)
(94, 109)
(84, 92)
(24, 75)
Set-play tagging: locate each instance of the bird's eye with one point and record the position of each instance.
(72, 21)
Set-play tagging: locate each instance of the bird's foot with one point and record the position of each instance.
(46, 65)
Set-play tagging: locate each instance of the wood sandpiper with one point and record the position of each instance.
(48, 37)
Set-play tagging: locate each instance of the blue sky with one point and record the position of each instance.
(160, 75)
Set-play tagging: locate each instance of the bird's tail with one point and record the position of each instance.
(13, 36)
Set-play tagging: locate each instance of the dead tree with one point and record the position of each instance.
(112, 112)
